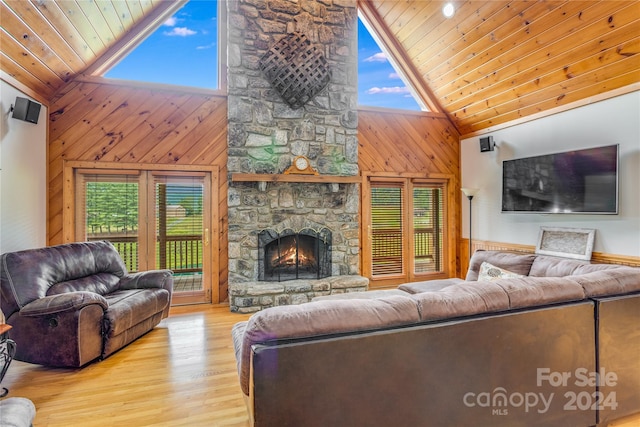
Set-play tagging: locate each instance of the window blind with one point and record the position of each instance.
(387, 224)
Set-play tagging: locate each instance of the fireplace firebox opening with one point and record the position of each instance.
(290, 255)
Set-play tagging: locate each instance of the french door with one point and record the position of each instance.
(155, 219)
(406, 235)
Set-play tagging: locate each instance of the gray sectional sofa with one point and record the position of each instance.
(558, 346)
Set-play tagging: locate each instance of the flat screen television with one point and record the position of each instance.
(573, 182)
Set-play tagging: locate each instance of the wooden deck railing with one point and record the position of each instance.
(182, 254)
(386, 245)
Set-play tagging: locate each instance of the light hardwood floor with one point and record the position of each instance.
(183, 373)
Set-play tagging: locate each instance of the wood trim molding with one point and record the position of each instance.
(76, 164)
(600, 257)
(384, 110)
(84, 78)
(281, 177)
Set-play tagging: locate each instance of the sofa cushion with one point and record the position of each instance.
(471, 298)
(323, 318)
(99, 283)
(613, 281)
(549, 266)
(537, 291)
(429, 285)
(381, 293)
(462, 299)
(130, 307)
(588, 268)
(514, 262)
(489, 272)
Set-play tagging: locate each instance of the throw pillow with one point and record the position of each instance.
(489, 272)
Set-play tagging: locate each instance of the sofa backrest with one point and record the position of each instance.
(469, 298)
(35, 273)
(514, 262)
(550, 266)
(324, 317)
(595, 279)
(608, 280)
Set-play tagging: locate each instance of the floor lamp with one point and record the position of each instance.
(469, 192)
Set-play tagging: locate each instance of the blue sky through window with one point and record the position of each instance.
(183, 51)
(379, 85)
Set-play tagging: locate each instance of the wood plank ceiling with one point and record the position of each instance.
(46, 43)
(492, 63)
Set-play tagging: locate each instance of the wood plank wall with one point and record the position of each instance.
(105, 122)
(413, 143)
(109, 123)
(408, 142)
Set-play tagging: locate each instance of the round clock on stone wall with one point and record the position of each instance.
(301, 165)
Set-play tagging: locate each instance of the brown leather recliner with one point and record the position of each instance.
(71, 304)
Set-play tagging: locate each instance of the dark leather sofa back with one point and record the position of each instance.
(468, 372)
(94, 267)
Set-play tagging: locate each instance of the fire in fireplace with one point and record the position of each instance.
(290, 255)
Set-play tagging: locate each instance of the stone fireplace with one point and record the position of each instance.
(285, 253)
(266, 132)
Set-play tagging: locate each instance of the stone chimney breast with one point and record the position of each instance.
(265, 132)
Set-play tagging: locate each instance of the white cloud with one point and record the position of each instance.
(384, 90)
(180, 31)
(208, 46)
(378, 57)
(394, 76)
(171, 22)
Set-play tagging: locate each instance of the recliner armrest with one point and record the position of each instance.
(69, 301)
(148, 279)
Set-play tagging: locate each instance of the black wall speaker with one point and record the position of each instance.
(486, 144)
(26, 110)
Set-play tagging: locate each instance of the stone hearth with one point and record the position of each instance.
(249, 297)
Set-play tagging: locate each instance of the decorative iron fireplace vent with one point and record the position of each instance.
(290, 255)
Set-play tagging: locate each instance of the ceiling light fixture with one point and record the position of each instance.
(448, 10)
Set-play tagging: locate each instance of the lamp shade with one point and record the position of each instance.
(469, 192)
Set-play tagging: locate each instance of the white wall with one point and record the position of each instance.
(23, 177)
(612, 121)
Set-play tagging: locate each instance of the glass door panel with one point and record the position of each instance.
(387, 254)
(107, 209)
(181, 234)
(156, 220)
(427, 229)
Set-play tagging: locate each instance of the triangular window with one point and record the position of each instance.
(379, 83)
(182, 51)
